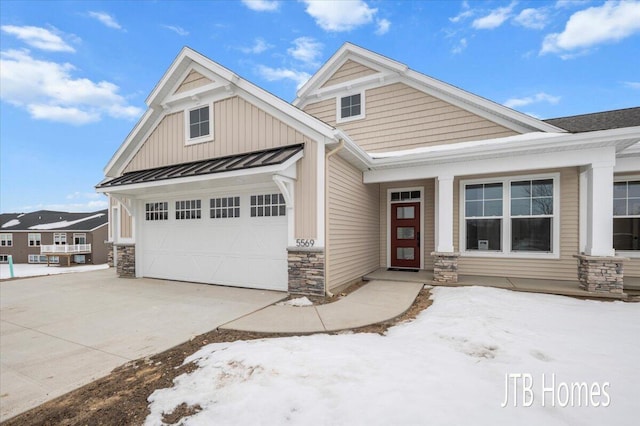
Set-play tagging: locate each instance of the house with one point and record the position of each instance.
(374, 165)
(48, 236)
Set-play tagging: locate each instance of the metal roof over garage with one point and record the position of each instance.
(268, 157)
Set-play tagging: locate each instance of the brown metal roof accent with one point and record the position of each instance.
(267, 157)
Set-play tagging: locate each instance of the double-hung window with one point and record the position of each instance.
(626, 215)
(59, 238)
(512, 216)
(6, 240)
(34, 240)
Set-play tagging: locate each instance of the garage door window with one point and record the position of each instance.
(188, 209)
(157, 211)
(226, 207)
(268, 205)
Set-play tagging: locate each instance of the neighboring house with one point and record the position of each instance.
(61, 237)
(374, 165)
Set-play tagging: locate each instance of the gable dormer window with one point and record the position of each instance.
(350, 107)
(199, 124)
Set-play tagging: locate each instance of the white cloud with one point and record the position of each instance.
(276, 74)
(494, 19)
(462, 44)
(613, 21)
(383, 26)
(528, 100)
(343, 15)
(464, 14)
(535, 19)
(176, 29)
(259, 46)
(40, 38)
(306, 50)
(106, 19)
(48, 91)
(262, 5)
(632, 84)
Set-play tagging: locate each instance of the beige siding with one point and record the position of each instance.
(564, 268)
(429, 215)
(354, 224)
(401, 117)
(126, 221)
(192, 81)
(632, 268)
(350, 70)
(239, 127)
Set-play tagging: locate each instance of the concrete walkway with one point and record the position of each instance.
(375, 302)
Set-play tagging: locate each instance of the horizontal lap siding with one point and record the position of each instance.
(192, 81)
(350, 70)
(239, 127)
(632, 268)
(564, 268)
(429, 218)
(354, 224)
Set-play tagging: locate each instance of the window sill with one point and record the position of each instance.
(511, 255)
(202, 139)
(349, 119)
(631, 254)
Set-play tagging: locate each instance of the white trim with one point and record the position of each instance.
(389, 202)
(287, 188)
(320, 199)
(506, 218)
(187, 125)
(360, 116)
(626, 253)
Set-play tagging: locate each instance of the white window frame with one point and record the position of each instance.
(230, 210)
(506, 218)
(35, 238)
(41, 258)
(6, 240)
(193, 207)
(156, 211)
(79, 235)
(412, 200)
(187, 125)
(60, 238)
(362, 114)
(626, 253)
(279, 205)
(2, 258)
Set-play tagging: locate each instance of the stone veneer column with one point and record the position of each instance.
(306, 270)
(109, 253)
(126, 267)
(602, 274)
(445, 267)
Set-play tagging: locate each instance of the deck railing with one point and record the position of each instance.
(65, 249)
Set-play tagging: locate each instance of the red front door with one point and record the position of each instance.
(405, 235)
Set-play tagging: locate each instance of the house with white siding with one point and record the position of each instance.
(374, 165)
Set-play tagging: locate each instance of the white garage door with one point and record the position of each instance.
(225, 249)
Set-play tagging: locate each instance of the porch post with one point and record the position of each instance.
(598, 268)
(445, 269)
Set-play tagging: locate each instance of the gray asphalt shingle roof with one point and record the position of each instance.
(605, 120)
(47, 220)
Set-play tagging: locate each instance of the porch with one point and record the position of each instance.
(559, 287)
(64, 250)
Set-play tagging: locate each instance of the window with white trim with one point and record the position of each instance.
(511, 216)
(156, 211)
(405, 196)
(626, 215)
(37, 258)
(6, 240)
(79, 238)
(350, 107)
(199, 124)
(225, 207)
(268, 205)
(188, 209)
(59, 238)
(34, 240)
(4, 258)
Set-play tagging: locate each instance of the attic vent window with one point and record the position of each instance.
(199, 124)
(350, 107)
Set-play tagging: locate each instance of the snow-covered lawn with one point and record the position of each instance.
(34, 270)
(448, 366)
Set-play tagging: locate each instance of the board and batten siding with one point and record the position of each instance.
(399, 117)
(428, 232)
(353, 224)
(192, 81)
(239, 127)
(126, 221)
(350, 70)
(564, 268)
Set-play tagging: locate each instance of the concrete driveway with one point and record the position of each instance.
(60, 332)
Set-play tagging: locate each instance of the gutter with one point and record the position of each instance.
(326, 212)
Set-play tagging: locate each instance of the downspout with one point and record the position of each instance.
(326, 213)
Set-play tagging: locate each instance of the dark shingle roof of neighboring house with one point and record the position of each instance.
(47, 220)
(605, 120)
(267, 157)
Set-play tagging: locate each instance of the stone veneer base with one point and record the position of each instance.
(306, 271)
(445, 267)
(601, 274)
(109, 253)
(126, 267)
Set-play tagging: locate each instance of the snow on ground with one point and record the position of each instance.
(300, 301)
(34, 270)
(448, 366)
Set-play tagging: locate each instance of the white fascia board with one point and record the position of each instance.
(633, 150)
(627, 165)
(352, 152)
(278, 168)
(490, 110)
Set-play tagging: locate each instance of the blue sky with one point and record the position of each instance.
(74, 75)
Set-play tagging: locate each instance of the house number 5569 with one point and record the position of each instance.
(304, 243)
